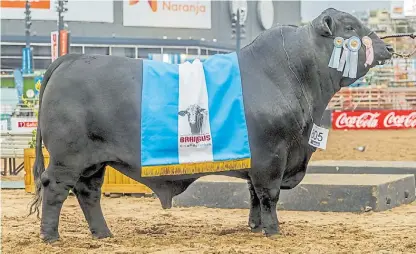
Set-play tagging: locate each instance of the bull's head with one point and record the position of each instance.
(195, 117)
(333, 23)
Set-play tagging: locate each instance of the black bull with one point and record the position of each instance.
(90, 117)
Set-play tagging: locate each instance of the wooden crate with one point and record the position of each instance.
(114, 181)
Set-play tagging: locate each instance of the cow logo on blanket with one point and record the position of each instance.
(193, 118)
(197, 134)
(196, 116)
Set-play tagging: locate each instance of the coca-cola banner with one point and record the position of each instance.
(375, 119)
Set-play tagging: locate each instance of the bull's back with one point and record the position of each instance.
(92, 104)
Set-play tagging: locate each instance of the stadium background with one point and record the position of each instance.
(97, 26)
(175, 32)
(389, 89)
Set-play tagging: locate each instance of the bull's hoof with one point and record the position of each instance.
(272, 234)
(102, 235)
(49, 238)
(255, 228)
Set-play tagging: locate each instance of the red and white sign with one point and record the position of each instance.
(24, 125)
(54, 45)
(27, 124)
(378, 119)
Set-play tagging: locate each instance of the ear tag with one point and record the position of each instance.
(369, 51)
(354, 44)
(336, 52)
(318, 137)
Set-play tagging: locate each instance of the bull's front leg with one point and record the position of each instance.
(254, 220)
(266, 183)
(269, 196)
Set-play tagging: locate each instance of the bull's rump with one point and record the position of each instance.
(91, 105)
(222, 146)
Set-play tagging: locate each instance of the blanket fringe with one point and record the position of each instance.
(196, 168)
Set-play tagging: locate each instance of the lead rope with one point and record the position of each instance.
(402, 55)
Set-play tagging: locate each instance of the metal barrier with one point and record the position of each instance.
(12, 148)
(374, 98)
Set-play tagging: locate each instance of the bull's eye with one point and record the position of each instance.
(349, 28)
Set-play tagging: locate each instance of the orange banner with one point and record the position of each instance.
(64, 42)
(34, 4)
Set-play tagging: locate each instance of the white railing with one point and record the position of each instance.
(374, 98)
(12, 148)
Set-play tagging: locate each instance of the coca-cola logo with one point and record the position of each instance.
(365, 120)
(393, 120)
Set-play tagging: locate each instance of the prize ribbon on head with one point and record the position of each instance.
(354, 44)
(369, 51)
(343, 61)
(336, 52)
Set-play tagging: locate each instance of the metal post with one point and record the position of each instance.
(238, 32)
(28, 23)
(60, 24)
(27, 61)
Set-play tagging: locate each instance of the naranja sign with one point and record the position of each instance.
(175, 14)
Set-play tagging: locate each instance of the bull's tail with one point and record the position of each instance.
(39, 165)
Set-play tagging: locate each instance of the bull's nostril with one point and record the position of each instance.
(390, 48)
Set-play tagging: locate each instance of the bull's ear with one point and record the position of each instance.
(182, 113)
(324, 25)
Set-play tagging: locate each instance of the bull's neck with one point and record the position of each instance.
(311, 74)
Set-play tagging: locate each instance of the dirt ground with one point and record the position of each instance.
(140, 225)
(380, 145)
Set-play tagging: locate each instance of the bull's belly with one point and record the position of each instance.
(136, 174)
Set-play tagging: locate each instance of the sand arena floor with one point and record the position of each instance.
(140, 225)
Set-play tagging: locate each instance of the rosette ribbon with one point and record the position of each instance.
(369, 51)
(336, 52)
(354, 44)
(345, 53)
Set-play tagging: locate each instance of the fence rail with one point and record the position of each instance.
(374, 98)
(12, 148)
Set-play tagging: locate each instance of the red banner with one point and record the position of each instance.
(377, 119)
(64, 42)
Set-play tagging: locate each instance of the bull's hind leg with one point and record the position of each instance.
(57, 180)
(88, 192)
